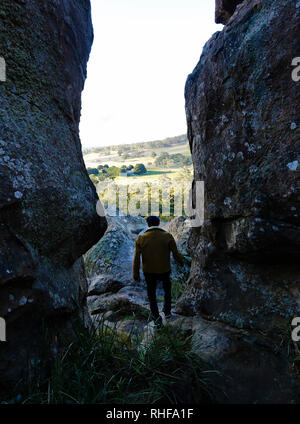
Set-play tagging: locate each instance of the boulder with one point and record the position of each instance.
(102, 284)
(111, 258)
(245, 366)
(243, 128)
(123, 304)
(246, 266)
(48, 213)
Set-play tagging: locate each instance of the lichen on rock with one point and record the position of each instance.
(48, 213)
(240, 103)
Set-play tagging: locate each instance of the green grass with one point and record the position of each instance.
(105, 367)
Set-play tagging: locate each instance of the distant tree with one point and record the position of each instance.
(161, 159)
(123, 168)
(176, 160)
(113, 172)
(140, 169)
(130, 167)
(100, 167)
(93, 171)
(153, 155)
(106, 166)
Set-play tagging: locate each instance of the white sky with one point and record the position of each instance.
(142, 54)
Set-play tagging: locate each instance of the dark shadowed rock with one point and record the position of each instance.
(103, 284)
(47, 203)
(248, 367)
(243, 126)
(123, 304)
(225, 9)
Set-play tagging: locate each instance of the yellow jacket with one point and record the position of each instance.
(155, 246)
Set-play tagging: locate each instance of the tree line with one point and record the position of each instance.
(103, 172)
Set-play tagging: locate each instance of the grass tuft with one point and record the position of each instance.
(103, 367)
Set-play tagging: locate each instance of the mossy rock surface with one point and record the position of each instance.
(48, 213)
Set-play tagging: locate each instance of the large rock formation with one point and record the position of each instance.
(244, 127)
(48, 213)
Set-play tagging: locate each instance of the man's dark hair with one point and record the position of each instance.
(153, 221)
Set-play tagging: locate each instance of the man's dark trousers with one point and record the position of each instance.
(151, 280)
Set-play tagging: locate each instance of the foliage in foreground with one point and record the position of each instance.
(106, 368)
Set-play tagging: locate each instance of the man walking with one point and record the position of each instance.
(155, 246)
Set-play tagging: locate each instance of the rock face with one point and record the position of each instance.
(47, 203)
(109, 262)
(243, 127)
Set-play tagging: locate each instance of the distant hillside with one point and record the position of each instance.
(173, 152)
(122, 148)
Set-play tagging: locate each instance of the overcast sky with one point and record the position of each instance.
(142, 54)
